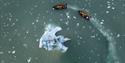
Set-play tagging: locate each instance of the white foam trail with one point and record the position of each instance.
(73, 7)
(112, 55)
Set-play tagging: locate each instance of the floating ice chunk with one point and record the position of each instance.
(29, 59)
(1, 52)
(101, 23)
(67, 15)
(50, 41)
(13, 52)
(108, 7)
(77, 24)
(118, 35)
(113, 8)
(107, 12)
(74, 17)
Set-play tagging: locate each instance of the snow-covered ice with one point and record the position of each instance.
(51, 42)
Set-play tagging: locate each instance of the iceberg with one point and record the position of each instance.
(49, 41)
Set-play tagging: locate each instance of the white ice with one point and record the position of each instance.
(51, 42)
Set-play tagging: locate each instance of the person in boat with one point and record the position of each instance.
(60, 6)
(84, 14)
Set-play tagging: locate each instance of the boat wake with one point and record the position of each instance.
(73, 7)
(112, 54)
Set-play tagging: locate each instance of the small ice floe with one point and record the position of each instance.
(29, 59)
(118, 35)
(77, 24)
(67, 15)
(93, 36)
(74, 17)
(13, 52)
(1, 52)
(107, 12)
(51, 42)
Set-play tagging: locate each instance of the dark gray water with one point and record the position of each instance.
(102, 40)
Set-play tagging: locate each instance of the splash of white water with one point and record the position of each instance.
(112, 55)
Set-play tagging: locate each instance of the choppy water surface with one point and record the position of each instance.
(100, 40)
